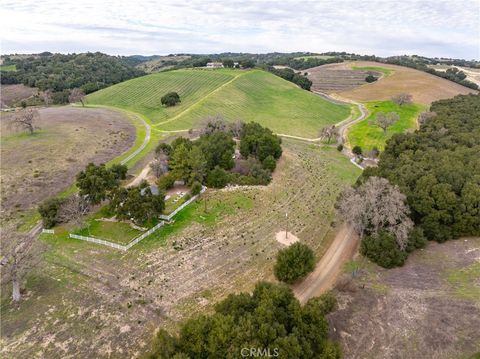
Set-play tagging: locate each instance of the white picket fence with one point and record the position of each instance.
(99, 241)
(50, 231)
(171, 215)
(143, 235)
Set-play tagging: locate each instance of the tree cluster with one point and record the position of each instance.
(438, 169)
(292, 76)
(294, 263)
(137, 204)
(270, 319)
(60, 73)
(211, 159)
(378, 212)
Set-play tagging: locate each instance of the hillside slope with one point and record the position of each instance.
(246, 95)
(424, 88)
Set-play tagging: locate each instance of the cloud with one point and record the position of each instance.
(431, 28)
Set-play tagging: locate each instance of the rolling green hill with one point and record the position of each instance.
(246, 95)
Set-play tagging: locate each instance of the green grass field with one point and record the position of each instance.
(117, 232)
(246, 95)
(383, 70)
(8, 68)
(367, 136)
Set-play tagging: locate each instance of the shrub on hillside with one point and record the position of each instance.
(382, 248)
(217, 178)
(271, 318)
(340, 148)
(357, 150)
(370, 79)
(166, 181)
(49, 211)
(196, 188)
(294, 263)
(170, 99)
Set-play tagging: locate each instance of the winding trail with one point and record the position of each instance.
(146, 140)
(329, 267)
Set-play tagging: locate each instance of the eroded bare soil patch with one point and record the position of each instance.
(426, 309)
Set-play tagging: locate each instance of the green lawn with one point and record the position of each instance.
(367, 136)
(8, 68)
(117, 232)
(383, 70)
(171, 205)
(253, 95)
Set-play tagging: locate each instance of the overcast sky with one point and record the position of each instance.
(388, 27)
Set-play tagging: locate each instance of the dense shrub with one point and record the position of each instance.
(166, 181)
(269, 163)
(271, 319)
(370, 79)
(416, 239)
(49, 212)
(382, 248)
(196, 188)
(217, 178)
(259, 142)
(294, 263)
(96, 182)
(340, 148)
(357, 150)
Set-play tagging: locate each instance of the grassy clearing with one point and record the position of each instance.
(8, 68)
(367, 136)
(247, 95)
(117, 232)
(386, 72)
(463, 281)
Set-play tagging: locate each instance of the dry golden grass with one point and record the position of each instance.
(424, 88)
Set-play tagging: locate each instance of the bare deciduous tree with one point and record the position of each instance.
(377, 205)
(159, 166)
(47, 97)
(20, 253)
(236, 128)
(384, 121)
(425, 116)
(402, 99)
(328, 132)
(77, 95)
(26, 120)
(73, 210)
(213, 124)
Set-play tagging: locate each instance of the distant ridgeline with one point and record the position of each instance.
(60, 73)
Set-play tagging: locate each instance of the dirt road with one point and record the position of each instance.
(329, 267)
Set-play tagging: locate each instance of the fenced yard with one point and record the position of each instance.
(121, 235)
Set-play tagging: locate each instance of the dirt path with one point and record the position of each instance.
(329, 267)
(145, 142)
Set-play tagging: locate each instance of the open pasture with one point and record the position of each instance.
(425, 88)
(368, 136)
(13, 94)
(35, 167)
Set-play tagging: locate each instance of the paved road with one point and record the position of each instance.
(329, 267)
